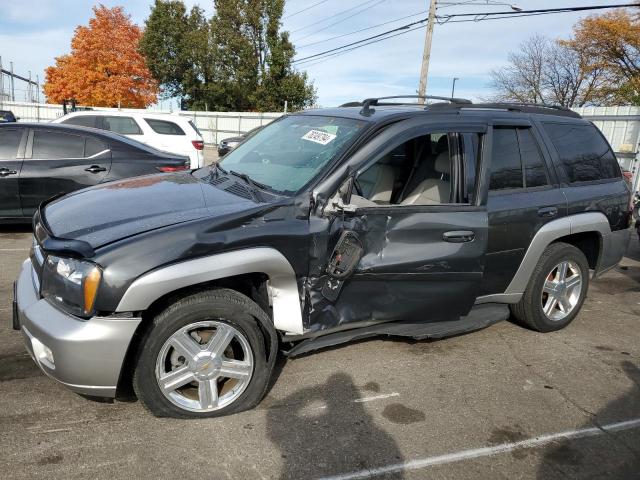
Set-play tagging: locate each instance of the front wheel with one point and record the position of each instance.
(556, 290)
(203, 356)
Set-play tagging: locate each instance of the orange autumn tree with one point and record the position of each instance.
(104, 68)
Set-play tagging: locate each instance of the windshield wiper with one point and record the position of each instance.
(249, 180)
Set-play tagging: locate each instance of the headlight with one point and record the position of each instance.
(72, 284)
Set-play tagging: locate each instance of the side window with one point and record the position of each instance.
(82, 121)
(418, 172)
(9, 143)
(53, 145)
(584, 154)
(93, 146)
(535, 172)
(164, 128)
(506, 167)
(122, 125)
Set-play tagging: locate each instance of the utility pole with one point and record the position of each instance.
(453, 87)
(13, 90)
(426, 54)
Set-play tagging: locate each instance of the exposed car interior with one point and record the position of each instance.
(418, 172)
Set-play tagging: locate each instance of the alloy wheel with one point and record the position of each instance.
(204, 366)
(561, 290)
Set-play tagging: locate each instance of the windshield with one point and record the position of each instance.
(288, 153)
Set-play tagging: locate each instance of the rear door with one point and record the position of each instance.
(12, 142)
(59, 162)
(524, 194)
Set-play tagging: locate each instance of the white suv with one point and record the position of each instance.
(170, 133)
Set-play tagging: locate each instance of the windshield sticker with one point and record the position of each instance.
(318, 136)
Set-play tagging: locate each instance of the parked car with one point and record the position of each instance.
(169, 133)
(324, 227)
(228, 144)
(7, 116)
(39, 161)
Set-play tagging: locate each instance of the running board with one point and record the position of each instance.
(479, 317)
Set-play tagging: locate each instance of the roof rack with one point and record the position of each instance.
(539, 108)
(369, 102)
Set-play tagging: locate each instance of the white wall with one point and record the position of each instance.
(215, 126)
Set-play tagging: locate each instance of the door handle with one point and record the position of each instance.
(547, 212)
(459, 236)
(95, 169)
(5, 172)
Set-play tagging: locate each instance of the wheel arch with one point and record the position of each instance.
(239, 267)
(589, 231)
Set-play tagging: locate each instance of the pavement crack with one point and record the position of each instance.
(546, 380)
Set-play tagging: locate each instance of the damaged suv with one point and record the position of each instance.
(326, 226)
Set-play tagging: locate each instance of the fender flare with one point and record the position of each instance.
(287, 313)
(548, 233)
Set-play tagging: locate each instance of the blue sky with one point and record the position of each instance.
(34, 32)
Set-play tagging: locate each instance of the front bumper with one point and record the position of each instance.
(87, 354)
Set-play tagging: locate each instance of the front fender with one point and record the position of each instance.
(287, 315)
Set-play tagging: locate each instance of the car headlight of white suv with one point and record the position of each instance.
(71, 284)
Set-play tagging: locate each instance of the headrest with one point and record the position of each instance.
(441, 165)
(443, 144)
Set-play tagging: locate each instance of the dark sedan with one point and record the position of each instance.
(228, 144)
(39, 161)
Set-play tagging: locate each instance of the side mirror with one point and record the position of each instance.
(340, 201)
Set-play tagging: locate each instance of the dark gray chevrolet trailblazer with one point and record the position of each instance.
(383, 218)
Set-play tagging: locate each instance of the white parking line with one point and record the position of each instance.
(376, 397)
(488, 451)
(14, 249)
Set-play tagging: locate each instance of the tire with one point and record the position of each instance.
(529, 310)
(181, 340)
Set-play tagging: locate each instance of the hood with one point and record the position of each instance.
(112, 211)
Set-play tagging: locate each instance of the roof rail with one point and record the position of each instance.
(539, 108)
(367, 103)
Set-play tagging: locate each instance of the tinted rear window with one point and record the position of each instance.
(93, 146)
(121, 125)
(164, 128)
(535, 172)
(506, 169)
(81, 121)
(9, 143)
(52, 145)
(584, 153)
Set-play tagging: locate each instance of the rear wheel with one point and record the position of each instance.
(556, 290)
(203, 356)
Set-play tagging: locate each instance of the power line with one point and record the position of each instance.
(403, 27)
(331, 16)
(305, 9)
(361, 30)
(510, 13)
(447, 19)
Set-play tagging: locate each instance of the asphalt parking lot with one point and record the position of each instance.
(504, 402)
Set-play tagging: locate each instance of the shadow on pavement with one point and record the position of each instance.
(321, 431)
(15, 228)
(586, 457)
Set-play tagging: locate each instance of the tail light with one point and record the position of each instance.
(198, 144)
(173, 168)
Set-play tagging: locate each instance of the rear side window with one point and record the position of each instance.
(516, 160)
(54, 145)
(164, 128)
(9, 143)
(506, 168)
(584, 153)
(93, 146)
(82, 121)
(121, 125)
(535, 172)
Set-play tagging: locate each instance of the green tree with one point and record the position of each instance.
(177, 48)
(237, 60)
